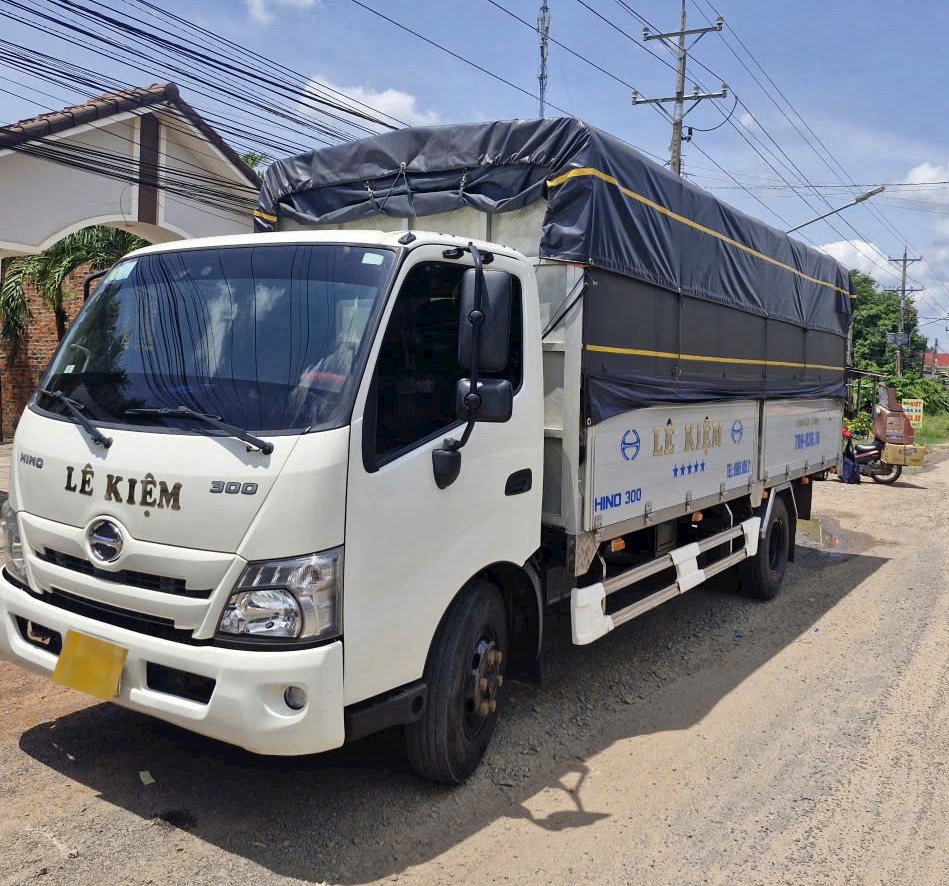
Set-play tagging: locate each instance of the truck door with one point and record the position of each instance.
(410, 546)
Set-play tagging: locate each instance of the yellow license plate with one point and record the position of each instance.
(90, 665)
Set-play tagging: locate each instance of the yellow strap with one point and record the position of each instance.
(596, 173)
(264, 216)
(698, 358)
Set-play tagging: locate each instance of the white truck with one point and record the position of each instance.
(289, 488)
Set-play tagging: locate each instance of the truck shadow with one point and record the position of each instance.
(357, 814)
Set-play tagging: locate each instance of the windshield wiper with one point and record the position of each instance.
(184, 412)
(74, 407)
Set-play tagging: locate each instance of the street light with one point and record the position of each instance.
(878, 190)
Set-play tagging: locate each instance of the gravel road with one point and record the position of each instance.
(712, 741)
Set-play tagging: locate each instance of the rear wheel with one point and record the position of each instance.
(464, 674)
(762, 575)
(887, 473)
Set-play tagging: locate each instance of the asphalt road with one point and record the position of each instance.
(715, 740)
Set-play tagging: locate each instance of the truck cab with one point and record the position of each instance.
(265, 405)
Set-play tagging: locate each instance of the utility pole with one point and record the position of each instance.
(935, 357)
(904, 261)
(543, 29)
(680, 98)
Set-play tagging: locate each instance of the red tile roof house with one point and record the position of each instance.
(47, 168)
(942, 363)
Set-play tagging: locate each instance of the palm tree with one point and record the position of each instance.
(257, 161)
(98, 246)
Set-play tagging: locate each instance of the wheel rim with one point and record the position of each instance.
(484, 681)
(776, 546)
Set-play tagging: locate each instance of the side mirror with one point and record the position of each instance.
(493, 320)
(494, 400)
(483, 333)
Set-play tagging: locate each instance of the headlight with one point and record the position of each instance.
(297, 599)
(12, 548)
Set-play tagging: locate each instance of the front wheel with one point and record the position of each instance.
(762, 575)
(888, 473)
(464, 674)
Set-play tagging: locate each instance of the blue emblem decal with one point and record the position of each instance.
(630, 445)
(738, 430)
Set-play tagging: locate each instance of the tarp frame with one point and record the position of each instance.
(616, 212)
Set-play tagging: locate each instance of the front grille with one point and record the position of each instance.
(145, 580)
(163, 628)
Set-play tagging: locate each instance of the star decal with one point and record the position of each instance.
(703, 467)
(675, 470)
(689, 466)
(696, 467)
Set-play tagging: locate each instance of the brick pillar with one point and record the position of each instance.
(19, 377)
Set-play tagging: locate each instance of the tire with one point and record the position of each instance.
(762, 575)
(891, 477)
(471, 647)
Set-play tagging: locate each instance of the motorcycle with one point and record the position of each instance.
(869, 458)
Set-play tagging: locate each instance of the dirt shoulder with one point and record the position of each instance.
(714, 741)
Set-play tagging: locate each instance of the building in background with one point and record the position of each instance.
(942, 364)
(142, 160)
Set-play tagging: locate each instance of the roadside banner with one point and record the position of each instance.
(914, 412)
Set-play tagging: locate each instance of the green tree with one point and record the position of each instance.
(257, 161)
(877, 312)
(98, 246)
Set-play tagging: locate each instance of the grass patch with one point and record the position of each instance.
(935, 429)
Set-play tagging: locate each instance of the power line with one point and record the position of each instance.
(157, 12)
(873, 210)
(162, 52)
(563, 46)
(739, 184)
(175, 42)
(166, 111)
(742, 133)
(903, 290)
(678, 100)
(478, 67)
(453, 54)
(618, 29)
(46, 68)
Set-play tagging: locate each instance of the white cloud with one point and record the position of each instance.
(862, 256)
(747, 120)
(262, 11)
(926, 174)
(940, 226)
(389, 102)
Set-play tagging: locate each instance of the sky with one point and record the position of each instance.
(862, 76)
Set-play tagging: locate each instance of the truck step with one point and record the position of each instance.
(588, 617)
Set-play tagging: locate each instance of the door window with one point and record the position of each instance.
(417, 370)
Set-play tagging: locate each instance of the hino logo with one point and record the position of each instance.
(105, 541)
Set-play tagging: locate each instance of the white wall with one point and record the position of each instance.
(42, 201)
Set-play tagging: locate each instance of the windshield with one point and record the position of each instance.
(267, 338)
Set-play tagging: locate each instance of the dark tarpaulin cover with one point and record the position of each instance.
(608, 207)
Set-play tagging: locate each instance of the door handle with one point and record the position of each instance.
(519, 482)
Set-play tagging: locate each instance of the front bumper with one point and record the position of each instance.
(246, 707)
